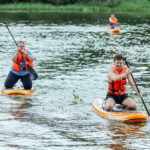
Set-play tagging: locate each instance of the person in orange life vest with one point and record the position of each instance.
(19, 69)
(117, 76)
(112, 21)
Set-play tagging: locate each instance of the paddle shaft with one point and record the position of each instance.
(15, 41)
(30, 69)
(137, 89)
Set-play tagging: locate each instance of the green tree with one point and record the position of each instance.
(112, 3)
(60, 2)
(5, 1)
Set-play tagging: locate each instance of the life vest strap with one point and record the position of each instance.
(17, 63)
(123, 78)
(111, 83)
(117, 90)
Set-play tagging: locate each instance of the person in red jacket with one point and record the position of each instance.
(112, 21)
(19, 68)
(118, 74)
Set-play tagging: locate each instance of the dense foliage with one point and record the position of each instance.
(109, 3)
(122, 4)
(54, 2)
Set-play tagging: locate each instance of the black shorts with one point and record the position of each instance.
(117, 98)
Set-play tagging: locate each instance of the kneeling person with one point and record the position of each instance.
(112, 21)
(19, 69)
(118, 75)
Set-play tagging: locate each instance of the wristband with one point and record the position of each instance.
(126, 73)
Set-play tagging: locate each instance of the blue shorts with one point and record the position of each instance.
(117, 98)
(13, 78)
(112, 27)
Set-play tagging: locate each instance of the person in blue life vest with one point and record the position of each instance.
(19, 68)
(118, 75)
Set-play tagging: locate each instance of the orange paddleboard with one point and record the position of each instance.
(113, 31)
(120, 114)
(17, 92)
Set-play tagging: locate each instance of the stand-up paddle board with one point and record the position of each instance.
(120, 114)
(113, 31)
(17, 91)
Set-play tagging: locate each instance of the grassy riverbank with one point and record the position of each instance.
(122, 6)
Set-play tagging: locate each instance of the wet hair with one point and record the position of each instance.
(118, 57)
(20, 42)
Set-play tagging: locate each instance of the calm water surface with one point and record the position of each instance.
(72, 54)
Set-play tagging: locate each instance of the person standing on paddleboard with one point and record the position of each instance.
(113, 21)
(19, 69)
(118, 75)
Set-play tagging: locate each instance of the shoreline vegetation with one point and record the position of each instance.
(119, 6)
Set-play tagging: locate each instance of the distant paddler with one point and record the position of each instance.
(118, 74)
(19, 68)
(113, 21)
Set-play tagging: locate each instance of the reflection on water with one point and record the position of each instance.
(72, 54)
(17, 110)
(120, 134)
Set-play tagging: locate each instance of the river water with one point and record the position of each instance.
(72, 54)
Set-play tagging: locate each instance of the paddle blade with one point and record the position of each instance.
(33, 74)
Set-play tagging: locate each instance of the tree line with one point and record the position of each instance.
(62, 2)
(109, 3)
(54, 2)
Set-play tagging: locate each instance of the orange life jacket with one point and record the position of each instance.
(113, 23)
(16, 65)
(117, 87)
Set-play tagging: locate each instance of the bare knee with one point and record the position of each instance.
(108, 108)
(109, 104)
(129, 104)
(132, 107)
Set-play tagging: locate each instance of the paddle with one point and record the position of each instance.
(137, 88)
(33, 74)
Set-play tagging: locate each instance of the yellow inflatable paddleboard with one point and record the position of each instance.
(17, 92)
(124, 116)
